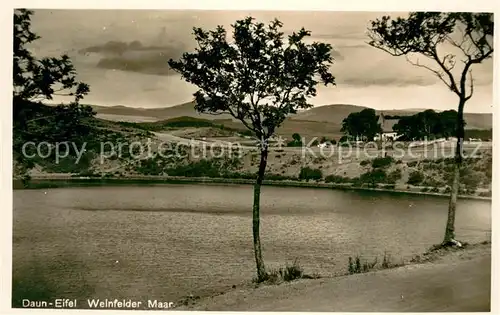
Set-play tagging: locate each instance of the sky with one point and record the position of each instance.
(364, 75)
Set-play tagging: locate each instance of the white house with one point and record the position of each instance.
(386, 136)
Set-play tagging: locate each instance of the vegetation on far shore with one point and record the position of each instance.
(427, 175)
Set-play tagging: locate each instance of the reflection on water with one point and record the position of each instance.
(173, 240)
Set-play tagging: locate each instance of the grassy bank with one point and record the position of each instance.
(403, 287)
(67, 181)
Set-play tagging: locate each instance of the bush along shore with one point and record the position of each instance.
(427, 176)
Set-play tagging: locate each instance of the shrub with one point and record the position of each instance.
(355, 266)
(470, 179)
(382, 161)
(318, 160)
(485, 194)
(374, 177)
(293, 272)
(412, 164)
(415, 178)
(364, 162)
(432, 166)
(449, 161)
(149, 167)
(307, 173)
(399, 162)
(387, 262)
(356, 182)
(394, 176)
(207, 168)
(336, 179)
(273, 276)
(288, 273)
(432, 182)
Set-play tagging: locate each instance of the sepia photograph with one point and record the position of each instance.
(252, 160)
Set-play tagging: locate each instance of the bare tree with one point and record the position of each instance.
(467, 39)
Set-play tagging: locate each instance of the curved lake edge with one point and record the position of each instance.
(44, 182)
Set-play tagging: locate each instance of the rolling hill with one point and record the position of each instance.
(315, 122)
(336, 113)
(162, 113)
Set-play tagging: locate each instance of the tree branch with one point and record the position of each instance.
(453, 85)
(471, 61)
(392, 53)
(240, 117)
(437, 73)
(460, 46)
(471, 86)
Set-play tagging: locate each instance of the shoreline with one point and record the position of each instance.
(60, 181)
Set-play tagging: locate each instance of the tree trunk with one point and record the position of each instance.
(261, 270)
(449, 236)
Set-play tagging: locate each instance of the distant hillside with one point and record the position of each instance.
(336, 113)
(162, 113)
(328, 113)
(318, 121)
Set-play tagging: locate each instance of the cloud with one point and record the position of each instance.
(147, 63)
(141, 41)
(136, 57)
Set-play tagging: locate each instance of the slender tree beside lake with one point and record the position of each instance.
(450, 45)
(259, 77)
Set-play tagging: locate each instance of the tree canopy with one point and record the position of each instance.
(38, 79)
(363, 124)
(467, 37)
(259, 77)
(427, 124)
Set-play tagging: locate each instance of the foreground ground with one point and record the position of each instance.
(458, 281)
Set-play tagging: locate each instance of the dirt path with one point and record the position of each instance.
(454, 283)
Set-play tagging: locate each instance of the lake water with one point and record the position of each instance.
(169, 241)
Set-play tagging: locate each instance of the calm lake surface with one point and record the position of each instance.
(169, 241)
